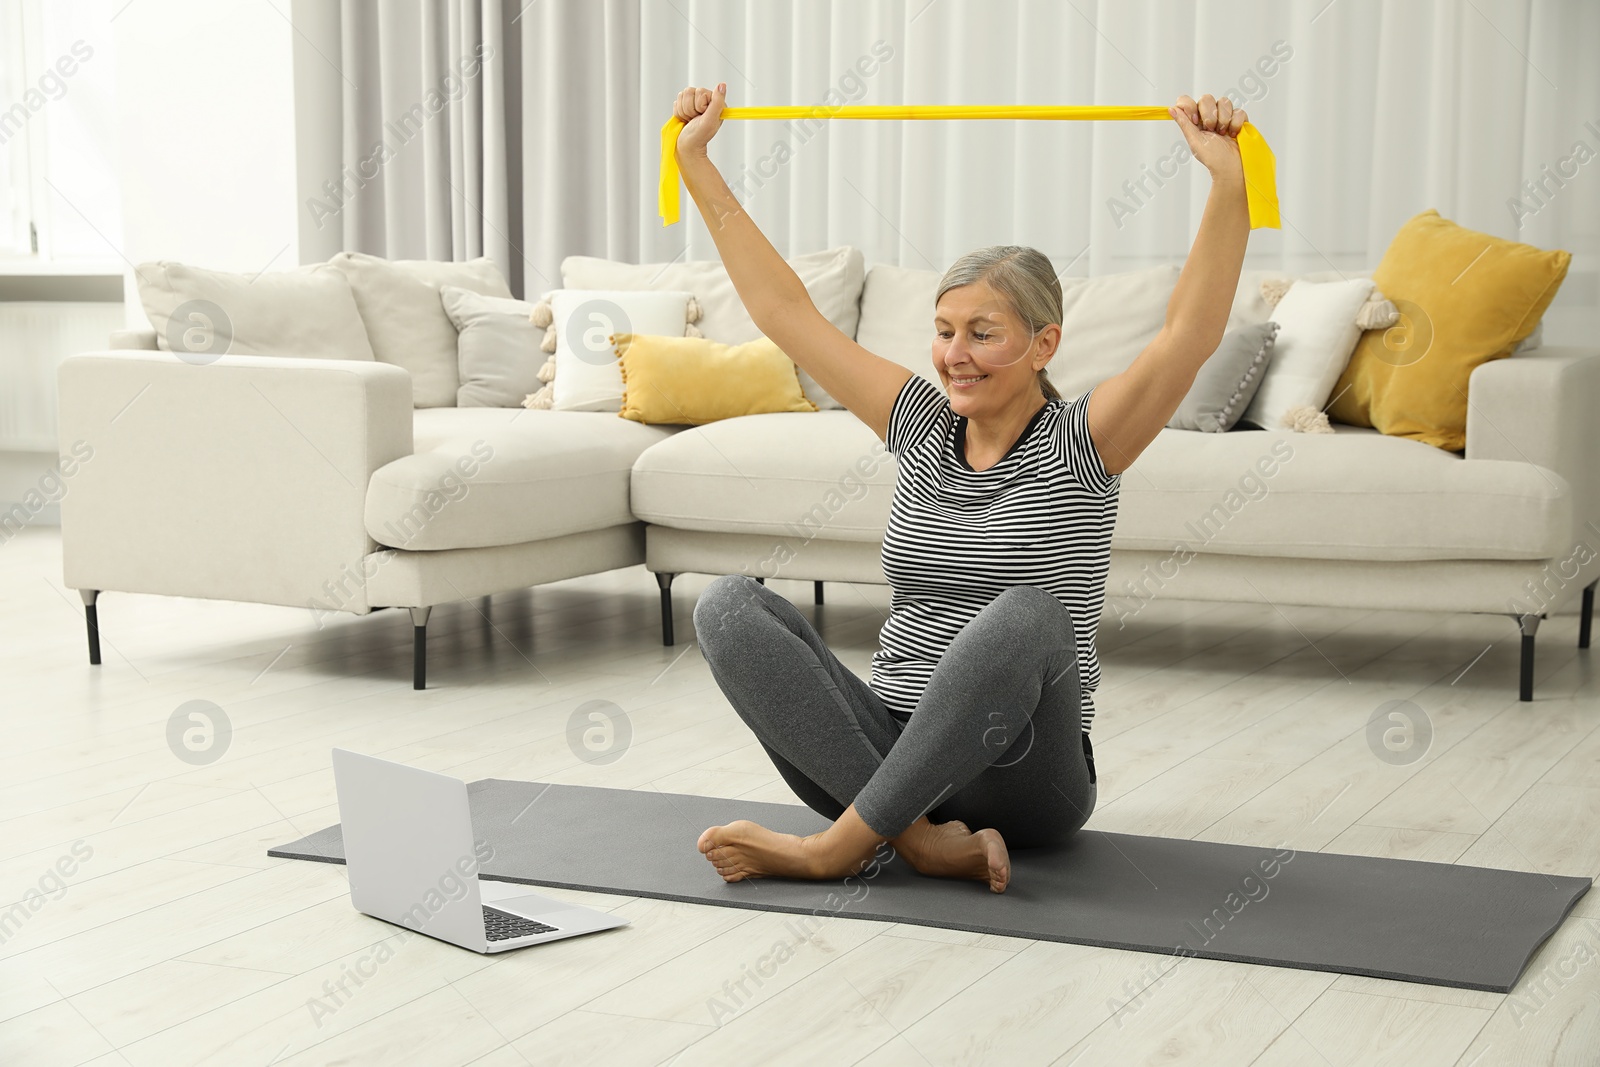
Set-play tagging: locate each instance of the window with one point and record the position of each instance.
(14, 193)
(58, 189)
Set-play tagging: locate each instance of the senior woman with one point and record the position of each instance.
(972, 735)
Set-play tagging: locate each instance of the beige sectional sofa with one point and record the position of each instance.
(316, 482)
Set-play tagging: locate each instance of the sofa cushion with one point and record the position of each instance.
(307, 312)
(897, 313)
(405, 318)
(502, 476)
(497, 348)
(1106, 322)
(897, 317)
(801, 475)
(1353, 494)
(833, 277)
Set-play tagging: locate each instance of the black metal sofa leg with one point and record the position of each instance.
(817, 593)
(1586, 615)
(419, 647)
(91, 616)
(1529, 624)
(664, 580)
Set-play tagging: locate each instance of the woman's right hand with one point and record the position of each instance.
(701, 111)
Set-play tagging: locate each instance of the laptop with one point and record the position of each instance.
(412, 861)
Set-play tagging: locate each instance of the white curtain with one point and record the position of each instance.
(429, 130)
(1375, 109)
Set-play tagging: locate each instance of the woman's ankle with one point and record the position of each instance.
(847, 846)
(912, 844)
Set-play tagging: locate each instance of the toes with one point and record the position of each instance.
(1000, 878)
(732, 871)
(729, 865)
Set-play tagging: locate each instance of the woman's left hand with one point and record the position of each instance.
(1212, 129)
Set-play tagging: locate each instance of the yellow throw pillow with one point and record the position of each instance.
(690, 380)
(1464, 298)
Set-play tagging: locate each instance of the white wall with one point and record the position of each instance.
(206, 137)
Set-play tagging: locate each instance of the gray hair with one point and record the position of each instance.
(1024, 277)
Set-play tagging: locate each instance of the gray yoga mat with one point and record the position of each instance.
(1439, 923)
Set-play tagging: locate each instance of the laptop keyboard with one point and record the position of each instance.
(503, 926)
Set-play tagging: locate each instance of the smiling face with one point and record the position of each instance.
(986, 355)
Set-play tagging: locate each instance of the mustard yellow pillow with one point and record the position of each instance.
(693, 381)
(1464, 298)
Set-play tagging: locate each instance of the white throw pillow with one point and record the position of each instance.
(497, 348)
(406, 322)
(588, 377)
(1250, 307)
(1106, 322)
(1317, 331)
(308, 312)
(833, 277)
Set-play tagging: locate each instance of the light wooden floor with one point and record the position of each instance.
(177, 940)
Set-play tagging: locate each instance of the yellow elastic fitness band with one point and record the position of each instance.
(1260, 171)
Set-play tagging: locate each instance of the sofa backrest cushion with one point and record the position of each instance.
(307, 312)
(833, 277)
(897, 317)
(1105, 322)
(406, 322)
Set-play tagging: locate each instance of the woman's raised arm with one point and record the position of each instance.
(771, 291)
(1128, 410)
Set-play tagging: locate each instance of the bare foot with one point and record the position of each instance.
(950, 850)
(743, 849)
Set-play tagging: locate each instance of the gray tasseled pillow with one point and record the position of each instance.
(1228, 381)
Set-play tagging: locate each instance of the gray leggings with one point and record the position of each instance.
(996, 740)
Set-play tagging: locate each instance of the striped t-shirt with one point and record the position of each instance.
(1041, 516)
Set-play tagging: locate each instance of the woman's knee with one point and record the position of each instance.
(1028, 599)
(1065, 826)
(721, 601)
(1032, 610)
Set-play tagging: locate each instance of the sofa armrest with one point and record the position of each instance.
(1539, 407)
(242, 479)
